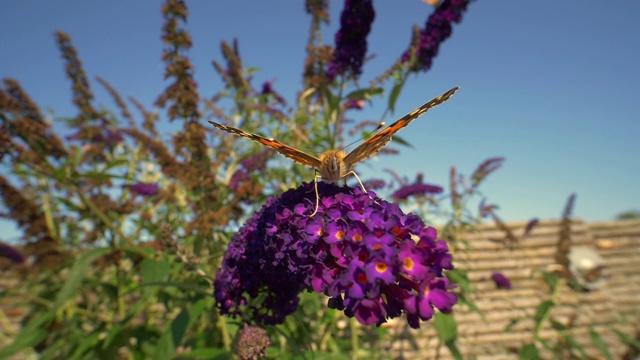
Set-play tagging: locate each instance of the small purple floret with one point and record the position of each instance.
(502, 282)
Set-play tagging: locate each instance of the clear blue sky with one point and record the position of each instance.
(550, 86)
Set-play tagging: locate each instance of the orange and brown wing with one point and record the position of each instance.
(379, 140)
(288, 151)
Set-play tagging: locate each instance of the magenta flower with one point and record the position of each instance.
(351, 39)
(357, 251)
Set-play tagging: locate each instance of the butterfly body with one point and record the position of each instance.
(334, 165)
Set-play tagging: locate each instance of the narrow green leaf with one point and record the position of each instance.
(459, 277)
(451, 345)
(574, 345)
(599, 343)
(402, 141)
(511, 324)
(174, 332)
(116, 163)
(364, 93)
(628, 339)
(111, 335)
(393, 96)
(86, 345)
(558, 325)
(81, 268)
(542, 310)
(446, 327)
(528, 352)
(31, 334)
(550, 279)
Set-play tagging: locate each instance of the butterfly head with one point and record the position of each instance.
(332, 166)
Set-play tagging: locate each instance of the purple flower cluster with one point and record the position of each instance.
(436, 31)
(372, 260)
(374, 184)
(414, 189)
(143, 189)
(9, 252)
(252, 163)
(103, 134)
(351, 40)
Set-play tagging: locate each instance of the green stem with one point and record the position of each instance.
(555, 296)
(355, 346)
(224, 330)
(46, 206)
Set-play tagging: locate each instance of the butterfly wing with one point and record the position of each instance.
(288, 151)
(372, 145)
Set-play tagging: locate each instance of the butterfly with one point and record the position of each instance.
(334, 165)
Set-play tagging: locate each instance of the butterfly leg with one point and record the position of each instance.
(361, 185)
(357, 178)
(315, 185)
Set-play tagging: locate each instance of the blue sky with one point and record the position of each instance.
(551, 88)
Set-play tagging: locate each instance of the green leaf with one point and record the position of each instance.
(174, 332)
(628, 339)
(542, 310)
(86, 345)
(154, 270)
(31, 334)
(599, 343)
(116, 162)
(574, 345)
(451, 345)
(402, 141)
(332, 100)
(364, 93)
(393, 96)
(511, 324)
(305, 95)
(459, 277)
(528, 352)
(446, 327)
(558, 325)
(550, 279)
(81, 268)
(111, 335)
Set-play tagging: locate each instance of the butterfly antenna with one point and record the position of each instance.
(380, 126)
